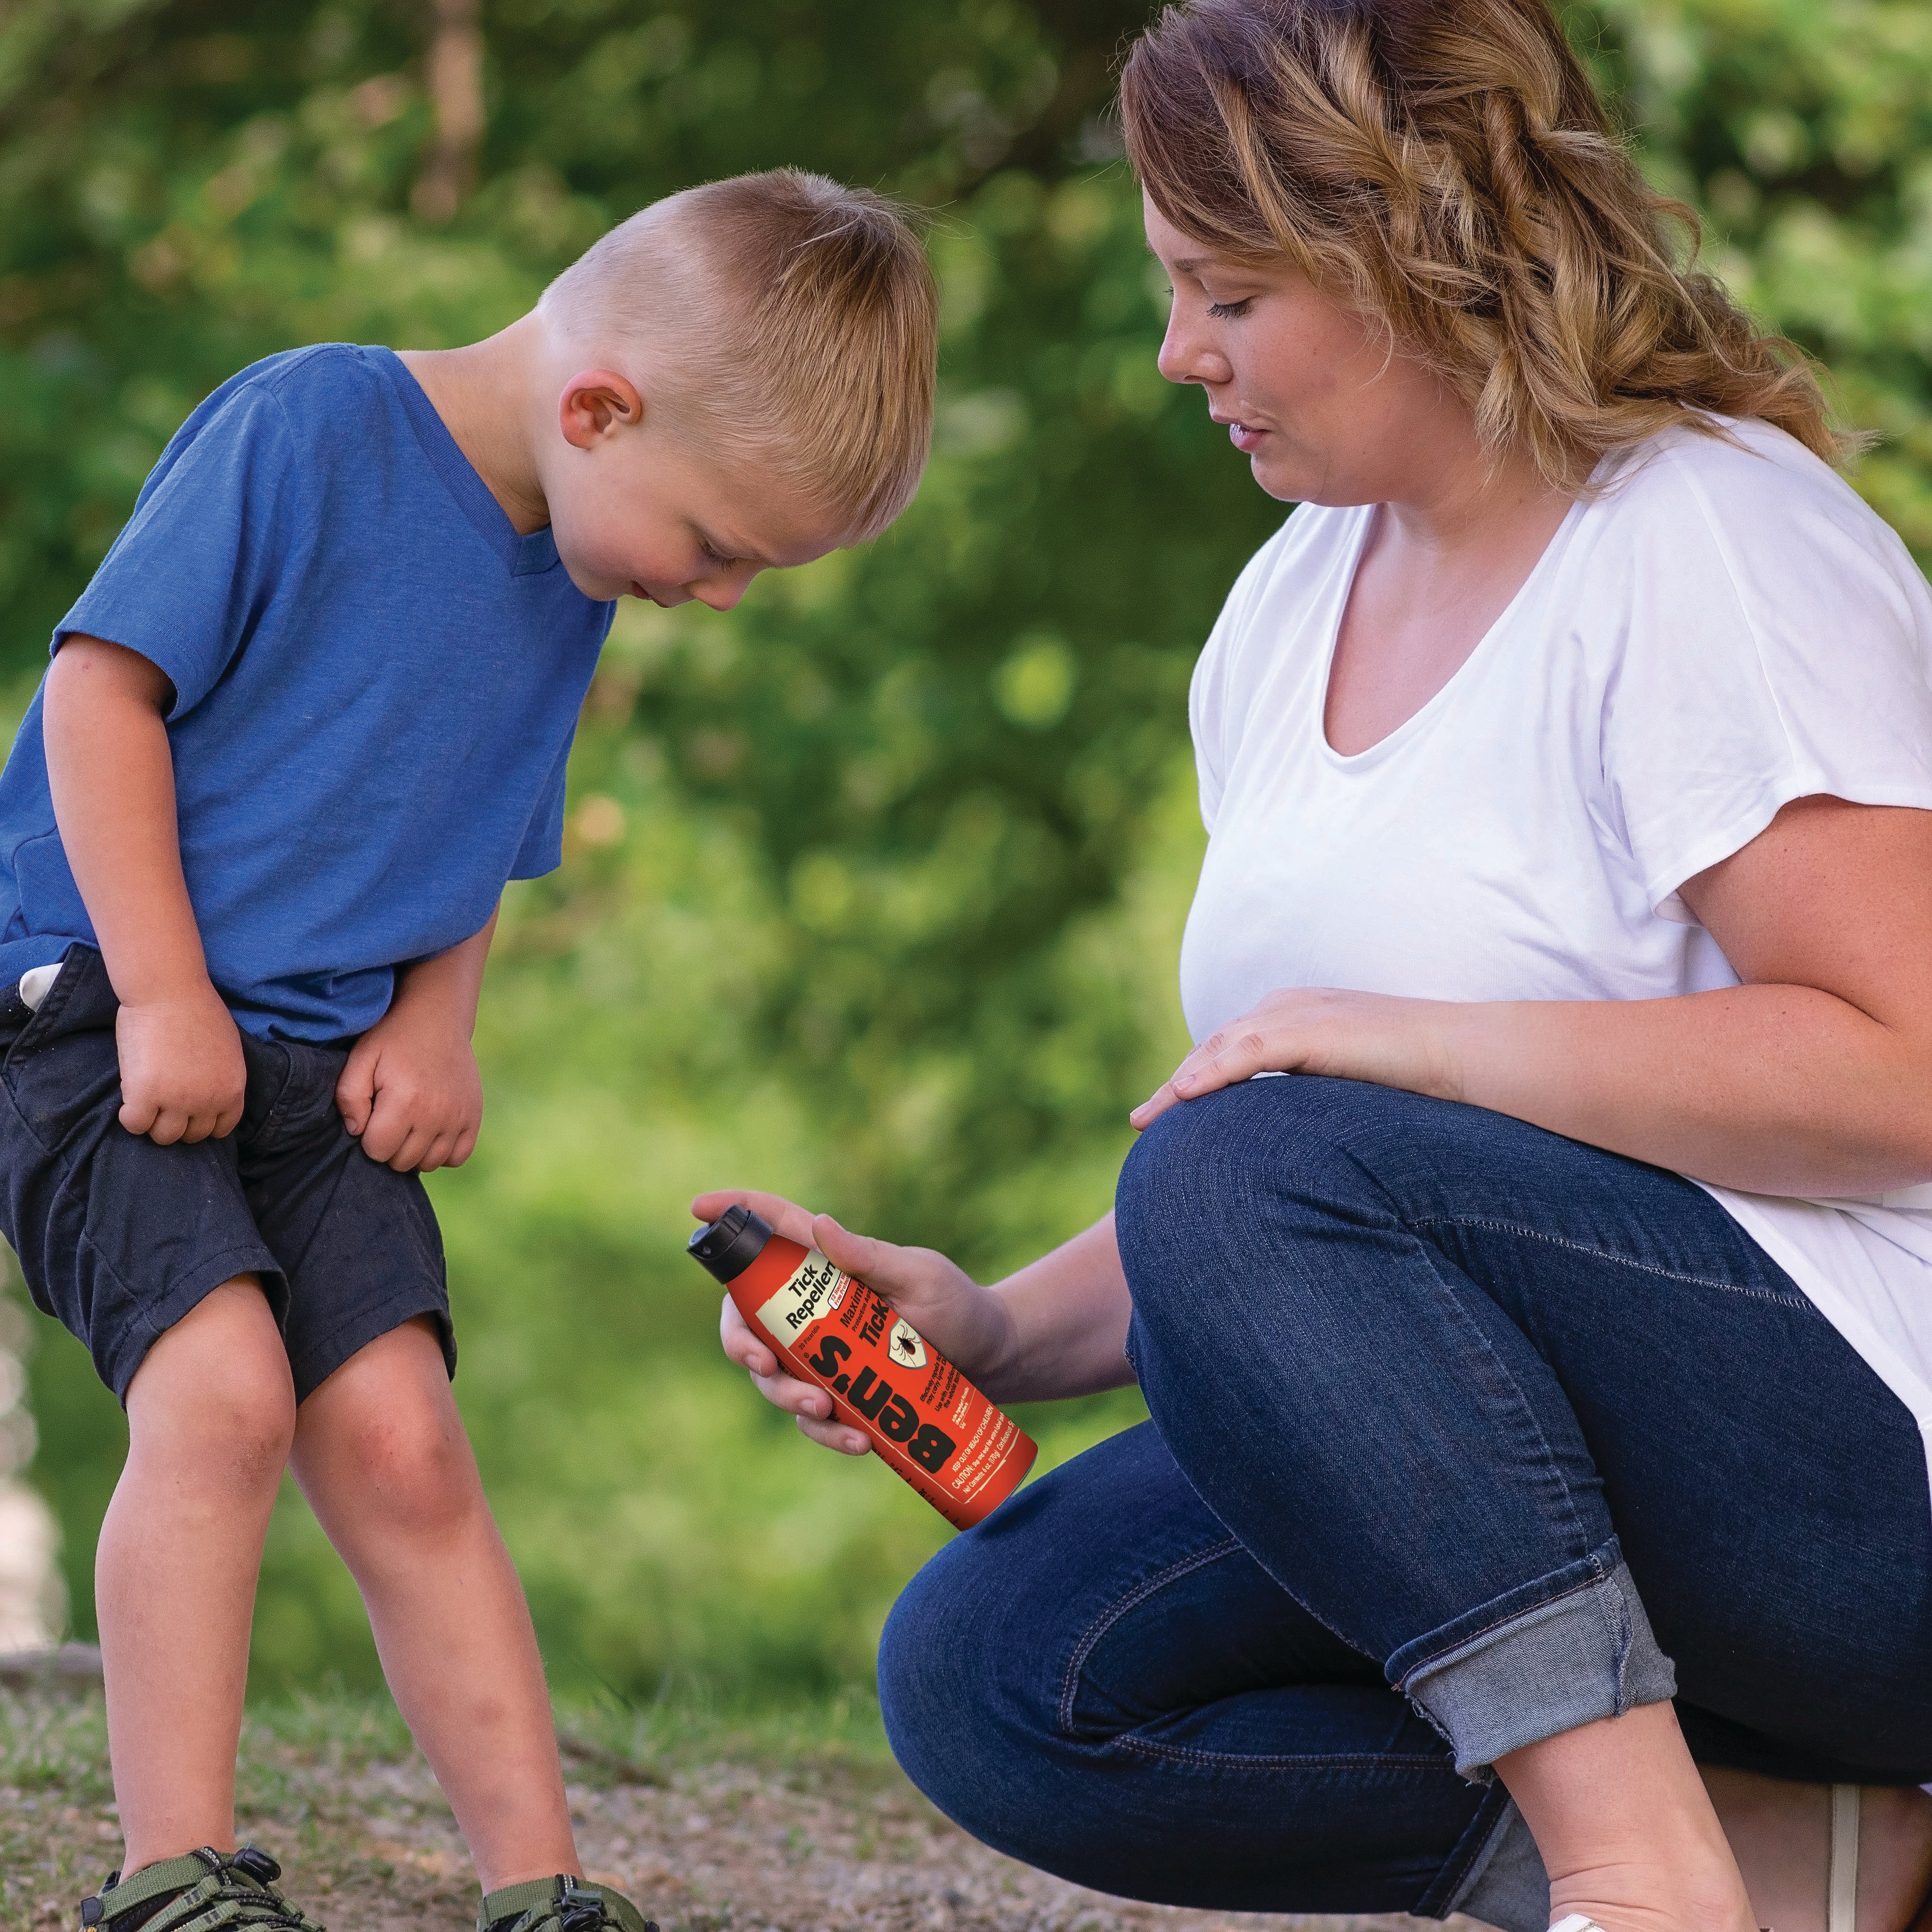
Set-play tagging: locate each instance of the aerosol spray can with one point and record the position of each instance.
(927, 1422)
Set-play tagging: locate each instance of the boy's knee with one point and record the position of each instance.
(213, 1397)
(410, 1470)
(233, 1434)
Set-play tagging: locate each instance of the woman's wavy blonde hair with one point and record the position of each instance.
(1446, 166)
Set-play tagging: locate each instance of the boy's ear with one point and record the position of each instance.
(595, 403)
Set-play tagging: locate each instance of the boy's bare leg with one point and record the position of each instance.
(211, 1413)
(381, 1454)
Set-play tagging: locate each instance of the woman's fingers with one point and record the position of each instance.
(1221, 1059)
(837, 1436)
(914, 1272)
(806, 1400)
(756, 1358)
(876, 1263)
(812, 1407)
(928, 1288)
(809, 1404)
(959, 1317)
(1150, 1109)
(913, 1279)
(1411, 1044)
(784, 1216)
(1231, 1061)
(744, 1346)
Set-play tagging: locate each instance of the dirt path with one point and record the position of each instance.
(732, 1846)
(369, 1845)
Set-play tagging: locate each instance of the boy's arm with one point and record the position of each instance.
(410, 1089)
(111, 772)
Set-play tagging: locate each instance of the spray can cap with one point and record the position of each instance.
(731, 1243)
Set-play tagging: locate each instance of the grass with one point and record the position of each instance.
(714, 1814)
(316, 1770)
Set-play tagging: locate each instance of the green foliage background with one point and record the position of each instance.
(874, 887)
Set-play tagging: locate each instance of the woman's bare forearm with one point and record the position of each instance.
(111, 772)
(1065, 1317)
(1814, 1077)
(1770, 1089)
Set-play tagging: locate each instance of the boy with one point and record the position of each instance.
(311, 714)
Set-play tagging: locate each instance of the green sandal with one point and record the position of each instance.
(213, 1889)
(561, 1904)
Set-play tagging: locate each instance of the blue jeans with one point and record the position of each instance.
(1463, 1434)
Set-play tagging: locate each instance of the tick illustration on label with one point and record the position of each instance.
(906, 1346)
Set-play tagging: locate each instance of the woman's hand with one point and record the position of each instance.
(1373, 1036)
(965, 1322)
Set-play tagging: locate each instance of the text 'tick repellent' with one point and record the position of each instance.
(921, 1414)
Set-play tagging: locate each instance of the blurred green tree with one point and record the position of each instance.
(872, 888)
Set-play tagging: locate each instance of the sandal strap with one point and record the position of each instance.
(1841, 1908)
(559, 1904)
(201, 1892)
(119, 1896)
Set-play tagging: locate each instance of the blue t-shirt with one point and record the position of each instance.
(376, 681)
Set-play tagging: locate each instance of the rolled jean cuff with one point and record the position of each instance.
(1570, 1647)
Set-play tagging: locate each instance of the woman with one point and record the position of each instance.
(1556, 1340)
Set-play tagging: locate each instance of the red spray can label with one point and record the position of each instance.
(924, 1418)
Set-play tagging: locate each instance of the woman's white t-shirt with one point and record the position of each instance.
(1727, 627)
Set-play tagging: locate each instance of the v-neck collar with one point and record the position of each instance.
(1439, 700)
(523, 556)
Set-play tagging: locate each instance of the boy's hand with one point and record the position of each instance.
(410, 1091)
(182, 1077)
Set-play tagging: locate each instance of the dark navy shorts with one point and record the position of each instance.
(119, 1238)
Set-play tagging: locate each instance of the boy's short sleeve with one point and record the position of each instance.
(189, 576)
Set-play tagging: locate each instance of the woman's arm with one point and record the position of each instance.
(1057, 1327)
(1814, 1077)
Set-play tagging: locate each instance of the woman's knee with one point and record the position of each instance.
(1213, 1181)
(971, 1661)
(938, 1661)
(1220, 1155)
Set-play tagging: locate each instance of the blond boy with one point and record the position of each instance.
(310, 716)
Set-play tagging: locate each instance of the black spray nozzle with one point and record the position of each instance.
(731, 1243)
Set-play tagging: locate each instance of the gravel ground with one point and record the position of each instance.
(736, 1846)
(811, 1841)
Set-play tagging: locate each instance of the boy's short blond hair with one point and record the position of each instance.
(805, 315)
